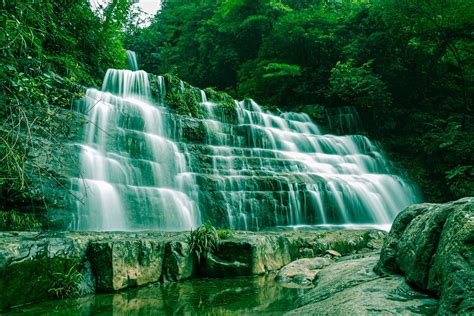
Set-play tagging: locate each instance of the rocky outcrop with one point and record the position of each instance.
(29, 264)
(432, 245)
(179, 262)
(425, 266)
(351, 287)
(119, 264)
(33, 264)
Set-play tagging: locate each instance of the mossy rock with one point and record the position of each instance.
(181, 97)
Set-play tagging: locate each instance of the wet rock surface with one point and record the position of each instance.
(425, 267)
(351, 287)
(302, 272)
(432, 246)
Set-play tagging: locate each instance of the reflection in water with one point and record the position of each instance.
(202, 296)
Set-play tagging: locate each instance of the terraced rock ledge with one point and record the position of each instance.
(31, 263)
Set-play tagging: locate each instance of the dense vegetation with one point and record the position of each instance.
(406, 65)
(49, 50)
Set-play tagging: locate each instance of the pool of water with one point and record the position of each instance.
(237, 296)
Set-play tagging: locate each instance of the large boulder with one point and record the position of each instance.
(246, 255)
(432, 246)
(452, 273)
(179, 263)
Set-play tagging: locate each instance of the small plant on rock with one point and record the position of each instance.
(67, 284)
(205, 239)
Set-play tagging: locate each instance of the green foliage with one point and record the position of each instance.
(67, 284)
(181, 97)
(282, 70)
(205, 239)
(49, 49)
(12, 220)
(185, 103)
(222, 99)
(358, 86)
(460, 180)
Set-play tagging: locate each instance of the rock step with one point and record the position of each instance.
(249, 151)
(320, 163)
(254, 183)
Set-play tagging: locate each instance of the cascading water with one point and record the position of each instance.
(130, 171)
(132, 60)
(315, 178)
(145, 167)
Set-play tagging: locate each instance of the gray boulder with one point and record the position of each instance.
(432, 246)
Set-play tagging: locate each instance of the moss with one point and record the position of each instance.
(171, 81)
(222, 99)
(225, 233)
(193, 131)
(184, 103)
(225, 104)
(181, 97)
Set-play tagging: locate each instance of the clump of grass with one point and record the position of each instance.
(204, 240)
(12, 220)
(67, 284)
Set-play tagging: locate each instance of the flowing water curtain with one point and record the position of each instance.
(312, 178)
(129, 168)
(250, 169)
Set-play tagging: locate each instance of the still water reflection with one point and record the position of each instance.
(239, 296)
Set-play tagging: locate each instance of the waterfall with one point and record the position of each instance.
(344, 120)
(142, 166)
(132, 60)
(316, 178)
(130, 172)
